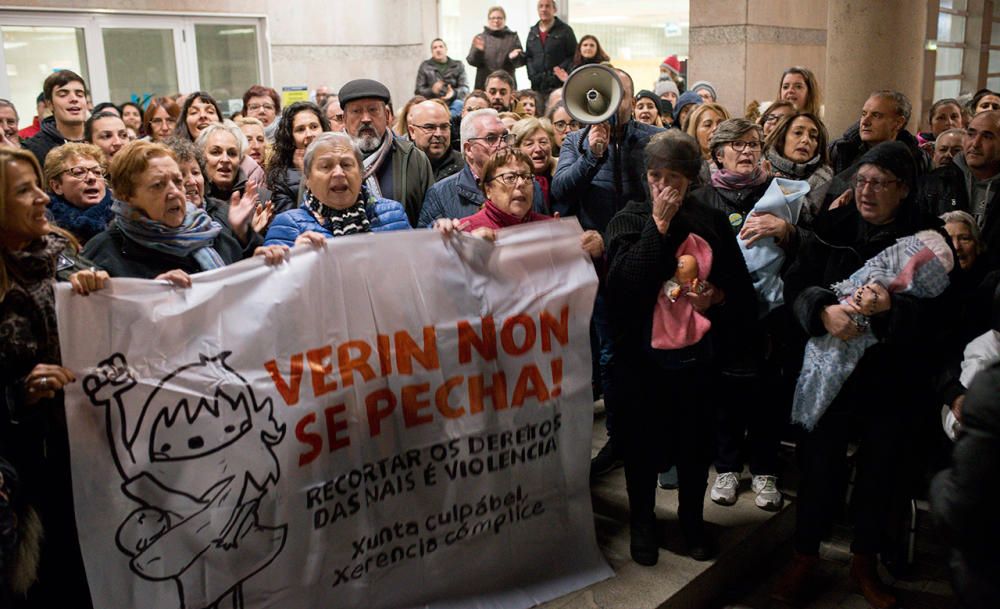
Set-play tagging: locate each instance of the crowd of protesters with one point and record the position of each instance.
(742, 261)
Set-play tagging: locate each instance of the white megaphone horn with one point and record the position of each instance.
(592, 94)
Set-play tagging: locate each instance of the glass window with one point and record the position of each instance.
(958, 5)
(947, 88)
(227, 62)
(141, 63)
(993, 84)
(995, 33)
(994, 65)
(949, 62)
(32, 53)
(951, 28)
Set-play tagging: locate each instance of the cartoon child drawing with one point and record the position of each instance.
(198, 457)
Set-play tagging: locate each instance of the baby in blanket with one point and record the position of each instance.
(917, 265)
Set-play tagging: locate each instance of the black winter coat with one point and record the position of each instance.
(123, 257)
(846, 149)
(640, 260)
(945, 189)
(496, 55)
(964, 498)
(558, 50)
(45, 140)
(454, 75)
(285, 190)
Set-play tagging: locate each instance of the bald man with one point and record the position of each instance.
(429, 125)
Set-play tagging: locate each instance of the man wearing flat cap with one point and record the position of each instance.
(393, 167)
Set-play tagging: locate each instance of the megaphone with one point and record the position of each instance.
(592, 94)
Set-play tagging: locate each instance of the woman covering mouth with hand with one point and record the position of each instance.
(155, 232)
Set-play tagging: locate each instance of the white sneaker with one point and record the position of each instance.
(768, 495)
(725, 487)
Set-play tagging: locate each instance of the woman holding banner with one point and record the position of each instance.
(155, 232)
(33, 255)
(671, 341)
(335, 203)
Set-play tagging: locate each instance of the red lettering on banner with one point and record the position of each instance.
(350, 364)
(314, 440)
(289, 391)
(384, 355)
(320, 367)
(485, 345)
(507, 335)
(441, 398)
(334, 427)
(413, 404)
(376, 414)
(551, 327)
(529, 384)
(497, 391)
(407, 350)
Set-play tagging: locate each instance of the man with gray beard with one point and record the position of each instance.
(393, 167)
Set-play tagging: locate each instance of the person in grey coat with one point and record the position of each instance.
(496, 48)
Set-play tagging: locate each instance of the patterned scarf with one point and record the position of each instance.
(374, 162)
(724, 179)
(340, 222)
(790, 169)
(194, 237)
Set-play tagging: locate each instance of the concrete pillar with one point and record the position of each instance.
(743, 46)
(870, 46)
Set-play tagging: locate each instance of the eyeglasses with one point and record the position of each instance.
(773, 118)
(336, 117)
(740, 145)
(80, 172)
(562, 125)
(510, 178)
(163, 121)
(876, 185)
(493, 140)
(255, 107)
(431, 128)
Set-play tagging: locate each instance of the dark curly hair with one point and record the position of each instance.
(284, 142)
(181, 130)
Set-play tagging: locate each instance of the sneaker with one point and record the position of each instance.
(668, 480)
(768, 495)
(605, 461)
(725, 488)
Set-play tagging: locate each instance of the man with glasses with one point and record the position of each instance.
(429, 125)
(66, 95)
(393, 167)
(459, 196)
(971, 183)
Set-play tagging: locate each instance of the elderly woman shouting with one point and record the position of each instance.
(671, 342)
(155, 232)
(33, 255)
(80, 199)
(336, 203)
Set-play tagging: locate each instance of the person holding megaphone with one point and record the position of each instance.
(599, 171)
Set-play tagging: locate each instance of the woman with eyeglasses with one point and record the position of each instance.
(797, 149)
(80, 198)
(301, 123)
(562, 123)
(773, 115)
(876, 403)
(497, 47)
(160, 118)
(752, 399)
(262, 103)
(508, 185)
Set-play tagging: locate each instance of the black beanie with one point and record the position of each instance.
(652, 97)
(894, 157)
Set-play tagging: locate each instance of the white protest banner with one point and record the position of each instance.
(395, 420)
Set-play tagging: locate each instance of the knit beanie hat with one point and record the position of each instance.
(665, 85)
(672, 64)
(650, 96)
(704, 84)
(894, 157)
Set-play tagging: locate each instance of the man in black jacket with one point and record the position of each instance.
(971, 182)
(442, 77)
(66, 95)
(549, 50)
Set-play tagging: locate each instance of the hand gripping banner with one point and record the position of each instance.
(392, 421)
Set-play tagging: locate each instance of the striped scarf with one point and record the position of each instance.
(340, 222)
(194, 237)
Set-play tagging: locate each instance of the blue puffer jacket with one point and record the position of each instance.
(384, 215)
(584, 186)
